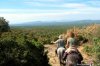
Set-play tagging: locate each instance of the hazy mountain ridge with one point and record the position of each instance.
(54, 23)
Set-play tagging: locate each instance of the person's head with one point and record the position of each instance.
(60, 36)
(70, 34)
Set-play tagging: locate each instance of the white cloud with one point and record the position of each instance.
(59, 5)
(47, 15)
(94, 2)
(80, 11)
(30, 11)
(89, 10)
(44, 0)
(34, 3)
(17, 18)
(74, 5)
(67, 15)
(60, 10)
(39, 4)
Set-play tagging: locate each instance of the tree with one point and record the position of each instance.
(4, 27)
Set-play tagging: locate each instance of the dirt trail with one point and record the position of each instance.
(53, 59)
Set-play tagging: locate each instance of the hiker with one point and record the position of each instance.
(71, 45)
(60, 42)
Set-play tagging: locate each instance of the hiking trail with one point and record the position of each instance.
(53, 59)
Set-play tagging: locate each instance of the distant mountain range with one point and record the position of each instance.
(53, 23)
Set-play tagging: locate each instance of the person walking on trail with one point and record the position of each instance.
(72, 45)
(60, 42)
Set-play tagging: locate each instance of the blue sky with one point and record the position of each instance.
(18, 11)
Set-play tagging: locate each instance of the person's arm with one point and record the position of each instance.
(56, 42)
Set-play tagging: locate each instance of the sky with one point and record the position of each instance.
(20, 11)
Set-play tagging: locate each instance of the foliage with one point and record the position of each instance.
(42, 34)
(90, 33)
(94, 48)
(4, 25)
(17, 50)
(24, 46)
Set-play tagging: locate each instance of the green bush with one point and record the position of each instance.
(94, 51)
(16, 50)
(4, 27)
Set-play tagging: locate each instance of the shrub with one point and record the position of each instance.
(4, 27)
(15, 50)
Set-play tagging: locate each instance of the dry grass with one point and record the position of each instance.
(88, 32)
